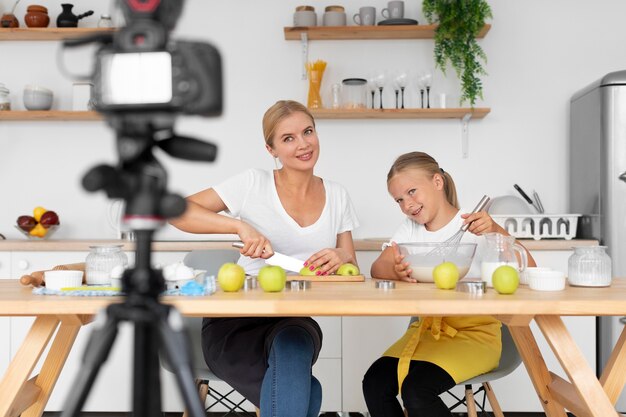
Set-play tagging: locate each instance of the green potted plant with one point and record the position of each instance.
(455, 40)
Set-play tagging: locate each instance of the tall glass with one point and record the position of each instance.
(315, 71)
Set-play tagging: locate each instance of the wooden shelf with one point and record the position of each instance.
(47, 34)
(367, 32)
(49, 115)
(455, 113)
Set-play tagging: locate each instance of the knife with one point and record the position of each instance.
(528, 200)
(286, 262)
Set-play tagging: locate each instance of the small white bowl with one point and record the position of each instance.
(37, 98)
(547, 281)
(524, 276)
(55, 280)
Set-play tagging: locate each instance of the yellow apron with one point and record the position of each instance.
(463, 346)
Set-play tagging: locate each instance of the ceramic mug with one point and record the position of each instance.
(366, 16)
(304, 18)
(394, 10)
(333, 18)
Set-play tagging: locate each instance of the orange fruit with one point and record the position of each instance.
(38, 231)
(38, 212)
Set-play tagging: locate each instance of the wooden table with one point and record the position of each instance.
(583, 394)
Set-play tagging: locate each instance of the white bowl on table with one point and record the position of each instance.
(56, 280)
(547, 281)
(425, 256)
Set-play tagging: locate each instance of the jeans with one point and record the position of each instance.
(289, 389)
(420, 389)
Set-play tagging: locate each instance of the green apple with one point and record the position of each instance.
(231, 277)
(305, 271)
(446, 275)
(348, 269)
(505, 279)
(272, 278)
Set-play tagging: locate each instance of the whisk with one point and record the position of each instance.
(452, 243)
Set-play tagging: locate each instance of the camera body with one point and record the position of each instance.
(142, 70)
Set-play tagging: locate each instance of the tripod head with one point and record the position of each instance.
(142, 81)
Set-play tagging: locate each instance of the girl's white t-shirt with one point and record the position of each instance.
(410, 231)
(252, 197)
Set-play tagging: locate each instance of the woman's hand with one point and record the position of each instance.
(481, 223)
(255, 245)
(401, 268)
(328, 260)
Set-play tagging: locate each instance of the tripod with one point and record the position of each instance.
(140, 181)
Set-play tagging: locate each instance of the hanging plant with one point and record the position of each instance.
(455, 41)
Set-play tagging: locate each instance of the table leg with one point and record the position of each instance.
(614, 373)
(53, 365)
(536, 368)
(582, 378)
(23, 364)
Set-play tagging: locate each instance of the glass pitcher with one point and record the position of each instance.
(500, 251)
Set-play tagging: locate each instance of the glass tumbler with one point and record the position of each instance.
(589, 266)
(100, 261)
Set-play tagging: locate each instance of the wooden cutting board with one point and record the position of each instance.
(327, 278)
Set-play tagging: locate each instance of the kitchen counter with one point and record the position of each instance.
(373, 244)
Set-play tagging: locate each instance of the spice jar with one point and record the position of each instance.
(105, 21)
(354, 93)
(589, 266)
(101, 260)
(5, 100)
(36, 16)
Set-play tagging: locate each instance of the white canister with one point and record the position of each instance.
(81, 96)
(589, 266)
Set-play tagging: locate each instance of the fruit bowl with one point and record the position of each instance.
(425, 256)
(50, 231)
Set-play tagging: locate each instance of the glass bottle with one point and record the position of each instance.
(105, 21)
(5, 100)
(100, 261)
(589, 266)
(336, 96)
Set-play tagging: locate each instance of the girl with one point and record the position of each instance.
(436, 352)
(269, 360)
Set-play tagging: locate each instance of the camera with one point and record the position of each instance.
(139, 69)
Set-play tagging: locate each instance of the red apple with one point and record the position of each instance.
(26, 223)
(49, 218)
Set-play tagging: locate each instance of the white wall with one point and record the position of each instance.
(540, 53)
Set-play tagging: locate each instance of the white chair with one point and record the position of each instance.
(209, 260)
(509, 361)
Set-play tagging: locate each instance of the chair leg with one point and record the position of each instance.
(469, 400)
(257, 411)
(203, 390)
(495, 405)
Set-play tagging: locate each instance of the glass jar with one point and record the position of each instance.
(100, 261)
(354, 93)
(589, 266)
(105, 21)
(5, 100)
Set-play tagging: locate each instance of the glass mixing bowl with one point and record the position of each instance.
(425, 256)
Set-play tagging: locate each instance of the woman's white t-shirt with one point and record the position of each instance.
(410, 231)
(252, 197)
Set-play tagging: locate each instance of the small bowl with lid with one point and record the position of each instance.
(36, 16)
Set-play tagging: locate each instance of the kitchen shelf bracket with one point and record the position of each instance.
(304, 41)
(465, 135)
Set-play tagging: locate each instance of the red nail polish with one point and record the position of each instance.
(317, 273)
(306, 263)
(311, 268)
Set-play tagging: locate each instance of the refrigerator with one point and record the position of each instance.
(597, 186)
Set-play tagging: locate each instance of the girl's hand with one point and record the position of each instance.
(481, 223)
(401, 268)
(328, 260)
(255, 245)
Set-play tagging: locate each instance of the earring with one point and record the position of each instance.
(276, 162)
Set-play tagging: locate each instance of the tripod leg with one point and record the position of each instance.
(96, 353)
(146, 377)
(177, 351)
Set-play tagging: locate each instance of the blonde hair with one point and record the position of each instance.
(279, 111)
(425, 162)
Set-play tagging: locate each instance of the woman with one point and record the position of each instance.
(269, 360)
(436, 352)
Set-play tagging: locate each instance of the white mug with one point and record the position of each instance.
(366, 16)
(394, 10)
